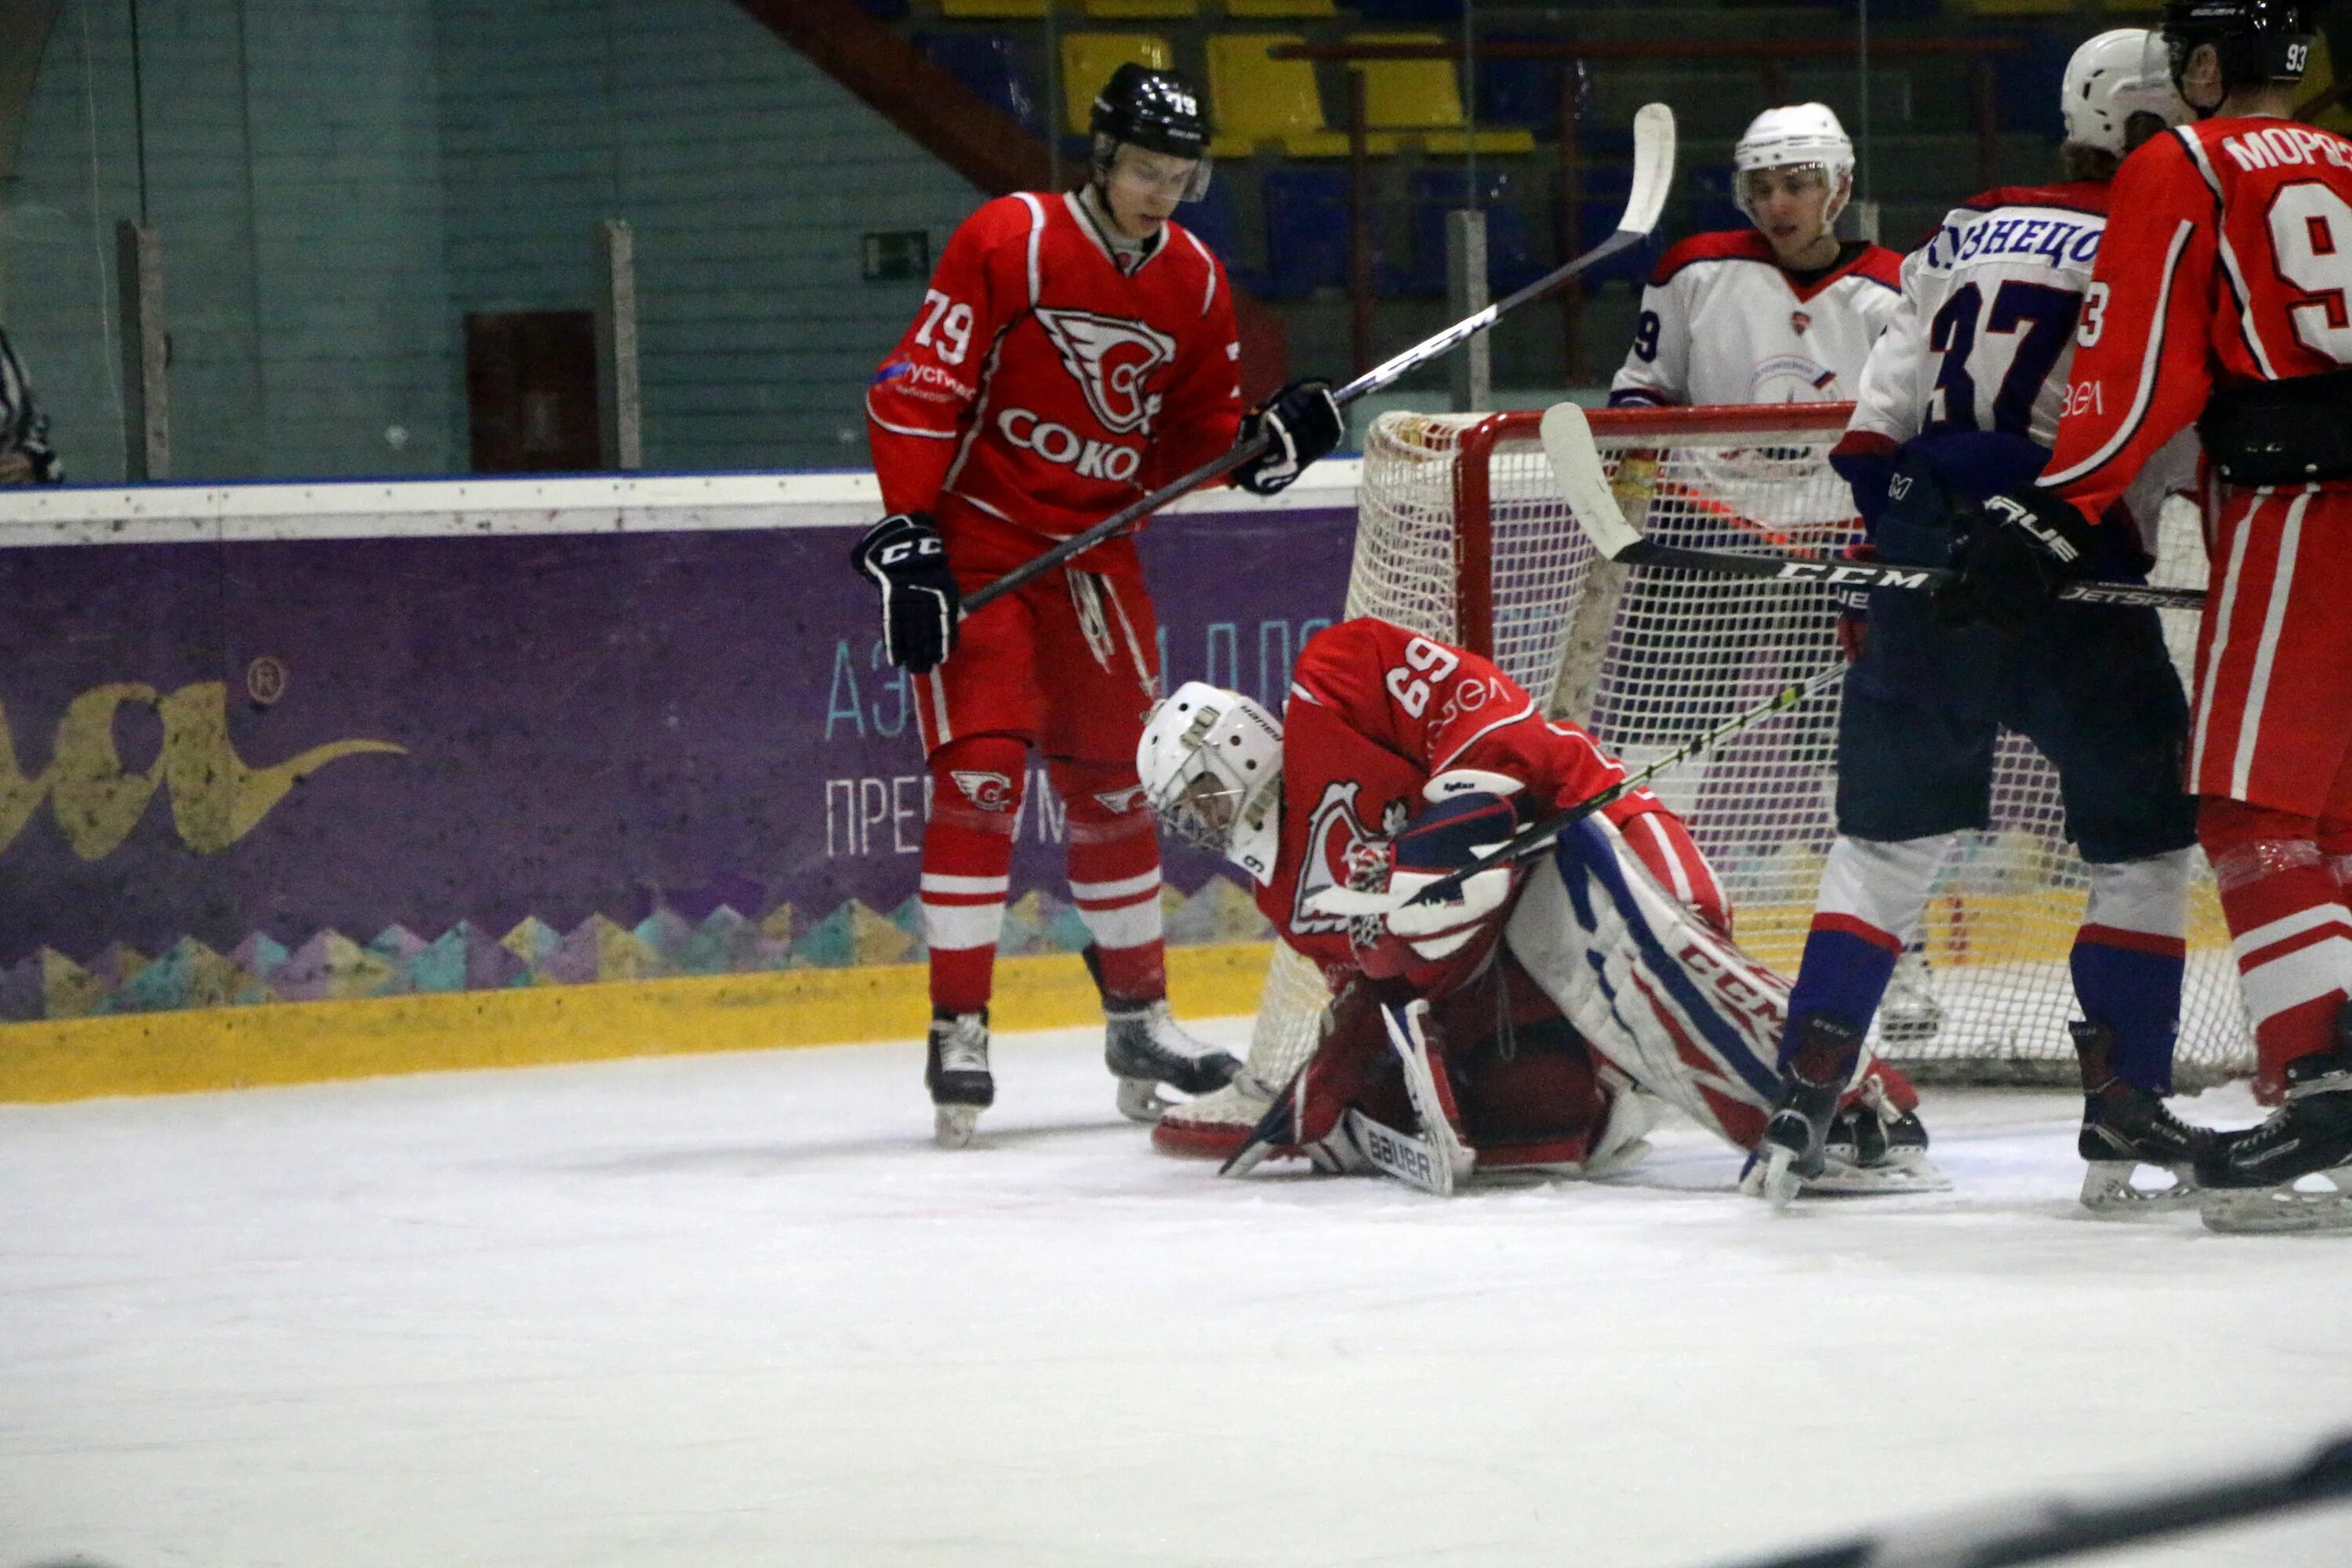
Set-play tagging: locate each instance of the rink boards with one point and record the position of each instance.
(312, 780)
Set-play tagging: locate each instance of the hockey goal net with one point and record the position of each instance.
(1461, 535)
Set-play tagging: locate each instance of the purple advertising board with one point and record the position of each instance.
(415, 753)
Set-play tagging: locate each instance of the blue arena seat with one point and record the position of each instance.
(1306, 231)
(1511, 256)
(992, 65)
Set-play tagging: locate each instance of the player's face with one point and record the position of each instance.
(1212, 806)
(1144, 187)
(1791, 206)
(2202, 86)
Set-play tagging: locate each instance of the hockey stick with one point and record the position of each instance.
(1653, 174)
(2037, 1530)
(1540, 836)
(1576, 467)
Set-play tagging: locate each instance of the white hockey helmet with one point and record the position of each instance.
(1797, 135)
(2112, 77)
(1210, 763)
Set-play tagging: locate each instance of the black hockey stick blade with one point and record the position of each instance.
(1654, 176)
(1575, 468)
(2039, 1530)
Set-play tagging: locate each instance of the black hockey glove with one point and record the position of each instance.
(909, 561)
(1303, 423)
(2020, 550)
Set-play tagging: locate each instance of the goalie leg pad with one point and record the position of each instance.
(1680, 1010)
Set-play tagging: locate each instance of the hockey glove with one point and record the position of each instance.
(2020, 550)
(909, 561)
(1447, 838)
(1303, 423)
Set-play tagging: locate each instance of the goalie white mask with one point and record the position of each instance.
(1797, 136)
(2112, 77)
(1211, 764)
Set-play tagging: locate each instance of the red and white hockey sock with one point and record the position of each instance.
(968, 863)
(2289, 925)
(1115, 876)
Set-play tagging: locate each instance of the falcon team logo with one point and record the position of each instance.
(1340, 853)
(989, 792)
(1111, 358)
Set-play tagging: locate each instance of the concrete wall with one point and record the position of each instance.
(338, 185)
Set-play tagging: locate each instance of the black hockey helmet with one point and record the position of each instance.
(1154, 109)
(2258, 41)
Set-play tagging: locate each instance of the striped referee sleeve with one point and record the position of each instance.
(24, 428)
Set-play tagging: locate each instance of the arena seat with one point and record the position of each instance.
(1306, 231)
(992, 65)
(1264, 8)
(1114, 10)
(1254, 98)
(1423, 98)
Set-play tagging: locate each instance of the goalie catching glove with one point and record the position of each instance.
(2022, 549)
(909, 563)
(1303, 422)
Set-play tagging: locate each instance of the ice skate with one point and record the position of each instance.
(1144, 1049)
(1794, 1149)
(2126, 1127)
(2250, 1180)
(957, 1075)
(1875, 1146)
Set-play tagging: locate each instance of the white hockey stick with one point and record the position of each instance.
(1654, 176)
(1576, 468)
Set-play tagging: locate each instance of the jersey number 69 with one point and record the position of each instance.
(1422, 658)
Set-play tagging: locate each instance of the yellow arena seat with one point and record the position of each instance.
(1261, 8)
(1131, 9)
(984, 10)
(1254, 98)
(1424, 98)
(1087, 60)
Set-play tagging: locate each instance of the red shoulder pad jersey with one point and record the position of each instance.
(1044, 388)
(1375, 712)
(2226, 260)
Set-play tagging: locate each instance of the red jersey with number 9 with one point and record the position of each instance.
(1048, 380)
(2227, 259)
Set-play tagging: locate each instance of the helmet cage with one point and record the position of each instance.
(1211, 764)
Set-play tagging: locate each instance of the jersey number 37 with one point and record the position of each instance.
(2034, 317)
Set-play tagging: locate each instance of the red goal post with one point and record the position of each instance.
(1461, 535)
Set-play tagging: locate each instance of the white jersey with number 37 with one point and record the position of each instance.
(1986, 330)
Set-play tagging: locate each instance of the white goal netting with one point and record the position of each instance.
(1648, 660)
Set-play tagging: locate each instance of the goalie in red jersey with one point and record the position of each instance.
(1536, 1017)
(1073, 352)
(2223, 297)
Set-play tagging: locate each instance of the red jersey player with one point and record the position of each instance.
(1073, 351)
(1397, 760)
(2223, 296)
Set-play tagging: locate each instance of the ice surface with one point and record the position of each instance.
(738, 1310)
